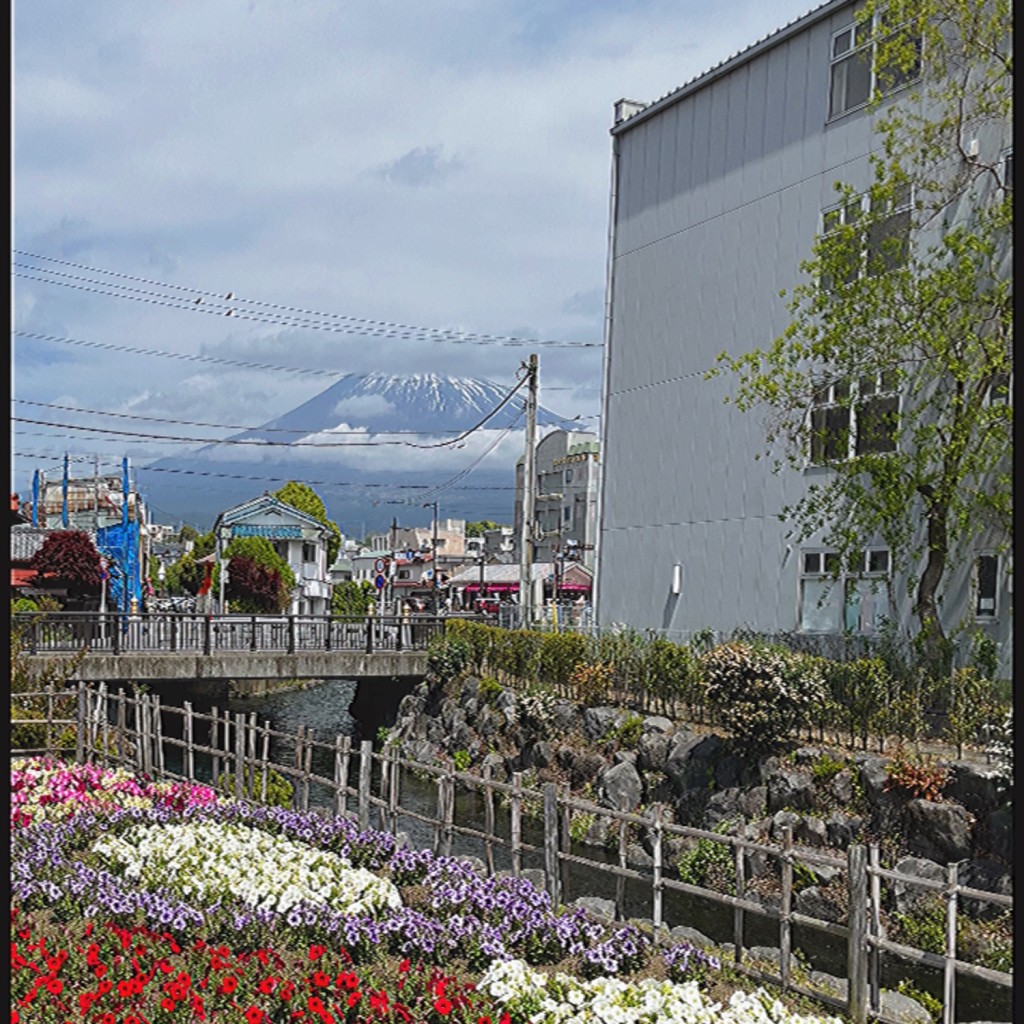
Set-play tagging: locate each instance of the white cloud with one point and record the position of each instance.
(437, 165)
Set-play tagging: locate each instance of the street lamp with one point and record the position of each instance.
(434, 570)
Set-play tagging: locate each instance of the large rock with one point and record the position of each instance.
(585, 767)
(906, 896)
(974, 786)
(566, 717)
(897, 1006)
(938, 831)
(652, 751)
(620, 787)
(679, 766)
(602, 910)
(814, 902)
(988, 876)
(843, 829)
(790, 790)
(599, 722)
(810, 831)
(998, 834)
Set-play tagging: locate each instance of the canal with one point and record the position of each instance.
(330, 708)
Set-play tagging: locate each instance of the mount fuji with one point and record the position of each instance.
(368, 445)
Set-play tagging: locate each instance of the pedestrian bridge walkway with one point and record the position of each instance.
(112, 647)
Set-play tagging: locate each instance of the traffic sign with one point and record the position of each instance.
(379, 582)
(380, 565)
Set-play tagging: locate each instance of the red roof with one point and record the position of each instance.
(22, 577)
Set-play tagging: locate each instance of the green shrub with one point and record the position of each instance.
(559, 654)
(761, 693)
(825, 768)
(489, 688)
(279, 790)
(709, 863)
(447, 656)
(461, 760)
(628, 733)
(931, 1005)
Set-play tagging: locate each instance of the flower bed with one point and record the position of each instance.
(139, 903)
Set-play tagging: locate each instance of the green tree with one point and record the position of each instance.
(908, 292)
(305, 499)
(480, 528)
(352, 598)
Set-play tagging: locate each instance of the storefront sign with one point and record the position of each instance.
(270, 532)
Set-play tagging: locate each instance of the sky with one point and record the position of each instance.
(218, 208)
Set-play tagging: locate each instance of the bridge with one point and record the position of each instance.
(111, 647)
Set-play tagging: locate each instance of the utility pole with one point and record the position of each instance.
(526, 533)
(435, 575)
(96, 489)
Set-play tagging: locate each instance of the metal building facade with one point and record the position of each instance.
(717, 195)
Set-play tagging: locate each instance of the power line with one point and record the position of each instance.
(44, 456)
(261, 443)
(228, 304)
(222, 361)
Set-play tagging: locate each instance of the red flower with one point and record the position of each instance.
(15, 1017)
(124, 989)
(54, 986)
(443, 1006)
(348, 980)
(404, 966)
(108, 1018)
(354, 997)
(315, 1004)
(483, 1020)
(167, 1003)
(104, 987)
(99, 970)
(286, 991)
(228, 985)
(320, 979)
(254, 1015)
(85, 1000)
(379, 1001)
(315, 952)
(266, 986)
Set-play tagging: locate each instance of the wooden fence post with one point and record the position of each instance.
(856, 960)
(875, 926)
(188, 737)
(365, 776)
(448, 818)
(565, 843)
(949, 968)
(341, 755)
(215, 756)
(49, 718)
(786, 909)
(82, 716)
(620, 881)
(657, 893)
(265, 763)
(122, 728)
(104, 715)
(551, 880)
(396, 781)
(516, 823)
(158, 737)
(239, 755)
(739, 866)
(488, 791)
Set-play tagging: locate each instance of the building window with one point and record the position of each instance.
(309, 552)
(568, 476)
(880, 245)
(855, 72)
(1008, 170)
(834, 600)
(986, 576)
(847, 421)
(567, 514)
(998, 392)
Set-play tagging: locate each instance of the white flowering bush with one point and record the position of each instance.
(762, 693)
(560, 999)
(212, 860)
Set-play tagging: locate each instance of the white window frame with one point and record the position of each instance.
(856, 41)
(847, 401)
(866, 578)
(855, 209)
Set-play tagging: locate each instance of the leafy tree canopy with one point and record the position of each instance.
(305, 499)
(920, 308)
(480, 528)
(254, 587)
(352, 598)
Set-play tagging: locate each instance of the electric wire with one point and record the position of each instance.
(227, 304)
(259, 442)
(383, 485)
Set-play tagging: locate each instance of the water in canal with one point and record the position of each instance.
(328, 708)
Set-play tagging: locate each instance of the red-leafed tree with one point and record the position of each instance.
(69, 558)
(254, 588)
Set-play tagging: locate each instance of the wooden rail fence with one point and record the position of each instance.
(125, 730)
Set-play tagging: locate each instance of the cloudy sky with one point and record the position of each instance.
(354, 176)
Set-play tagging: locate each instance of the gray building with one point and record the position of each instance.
(566, 469)
(718, 191)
